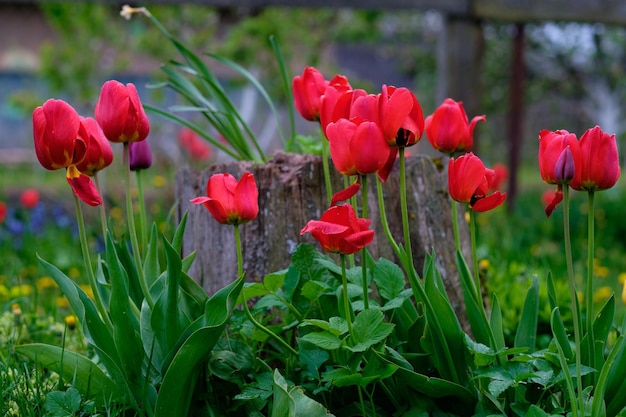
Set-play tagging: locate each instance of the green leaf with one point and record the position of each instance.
(389, 279)
(180, 378)
(526, 335)
(558, 330)
(369, 329)
(274, 281)
(324, 340)
(336, 325)
(84, 374)
(473, 303)
(151, 267)
(599, 405)
(292, 402)
(495, 321)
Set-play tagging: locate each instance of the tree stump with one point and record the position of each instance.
(292, 192)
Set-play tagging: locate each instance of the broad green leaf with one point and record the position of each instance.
(335, 325)
(558, 330)
(180, 378)
(177, 240)
(552, 292)
(495, 321)
(598, 408)
(389, 279)
(342, 377)
(369, 329)
(526, 335)
(324, 340)
(274, 281)
(615, 392)
(291, 402)
(84, 374)
(151, 267)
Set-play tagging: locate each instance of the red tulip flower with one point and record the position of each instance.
(3, 211)
(308, 89)
(120, 113)
(448, 129)
(340, 230)
(357, 147)
(469, 182)
(99, 152)
(197, 148)
(61, 142)
(229, 201)
(55, 129)
(337, 104)
(599, 168)
(29, 198)
(559, 159)
(400, 116)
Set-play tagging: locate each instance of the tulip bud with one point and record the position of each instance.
(140, 155)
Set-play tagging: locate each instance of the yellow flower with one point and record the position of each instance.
(16, 309)
(73, 273)
(46, 282)
(4, 292)
(602, 294)
(87, 290)
(22, 290)
(484, 264)
(622, 278)
(70, 322)
(62, 302)
(624, 293)
(159, 181)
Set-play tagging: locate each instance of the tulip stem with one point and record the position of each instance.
(404, 208)
(244, 301)
(474, 255)
(103, 216)
(133, 231)
(455, 225)
(589, 294)
(326, 168)
(364, 196)
(573, 300)
(346, 297)
(88, 266)
(142, 209)
(383, 218)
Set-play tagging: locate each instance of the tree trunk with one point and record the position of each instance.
(292, 192)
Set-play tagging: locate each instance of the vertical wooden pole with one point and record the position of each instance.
(516, 108)
(459, 62)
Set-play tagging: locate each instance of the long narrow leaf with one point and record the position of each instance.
(526, 335)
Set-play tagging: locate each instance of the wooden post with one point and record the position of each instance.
(291, 192)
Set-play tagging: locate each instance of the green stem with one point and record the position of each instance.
(326, 168)
(246, 309)
(474, 255)
(573, 297)
(142, 209)
(103, 216)
(404, 208)
(455, 225)
(364, 197)
(88, 266)
(383, 218)
(132, 231)
(346, 298)
(589, 293)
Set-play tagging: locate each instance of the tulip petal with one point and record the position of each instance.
(247, 197)
(355, 242)
(324, 227)
(490, 202)
(558, 197)
(83, 187)
(346, 193)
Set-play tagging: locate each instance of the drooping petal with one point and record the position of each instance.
(489, 202)
(346, 193)
(83, 187)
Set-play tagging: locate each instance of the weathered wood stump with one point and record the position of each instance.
(292, 192)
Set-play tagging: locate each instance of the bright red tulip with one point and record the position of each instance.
(337, 104)
(308, 89)
(400, 117)
(61, 142)
(229, 201)
(56, 132)
(140, 155)
(120, 113)
(448, 129)
(29, 198)
(599, 168)
(99, 152)
(3, 211)
(340, 230)
(197, 148)
(357, 147)
(469, 182)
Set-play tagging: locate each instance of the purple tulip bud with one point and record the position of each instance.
(140, 155)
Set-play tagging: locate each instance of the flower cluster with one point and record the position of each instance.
(589, 164)
(64, 139)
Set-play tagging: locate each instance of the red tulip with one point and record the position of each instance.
(357, 147)
(337, 104)
(140, 155)
(3, 211)
(500, 177)
(99, 152)
(340, 230)
(469, 182)
(308, 89)
(61, 142)
(56, 132)
(197, 148)
(120, 113)
(599, 168)
(29, 198)
(400, 116)
(559, 156)
(229, 201)
(448, 129)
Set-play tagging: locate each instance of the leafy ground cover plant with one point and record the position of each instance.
(357, 337)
